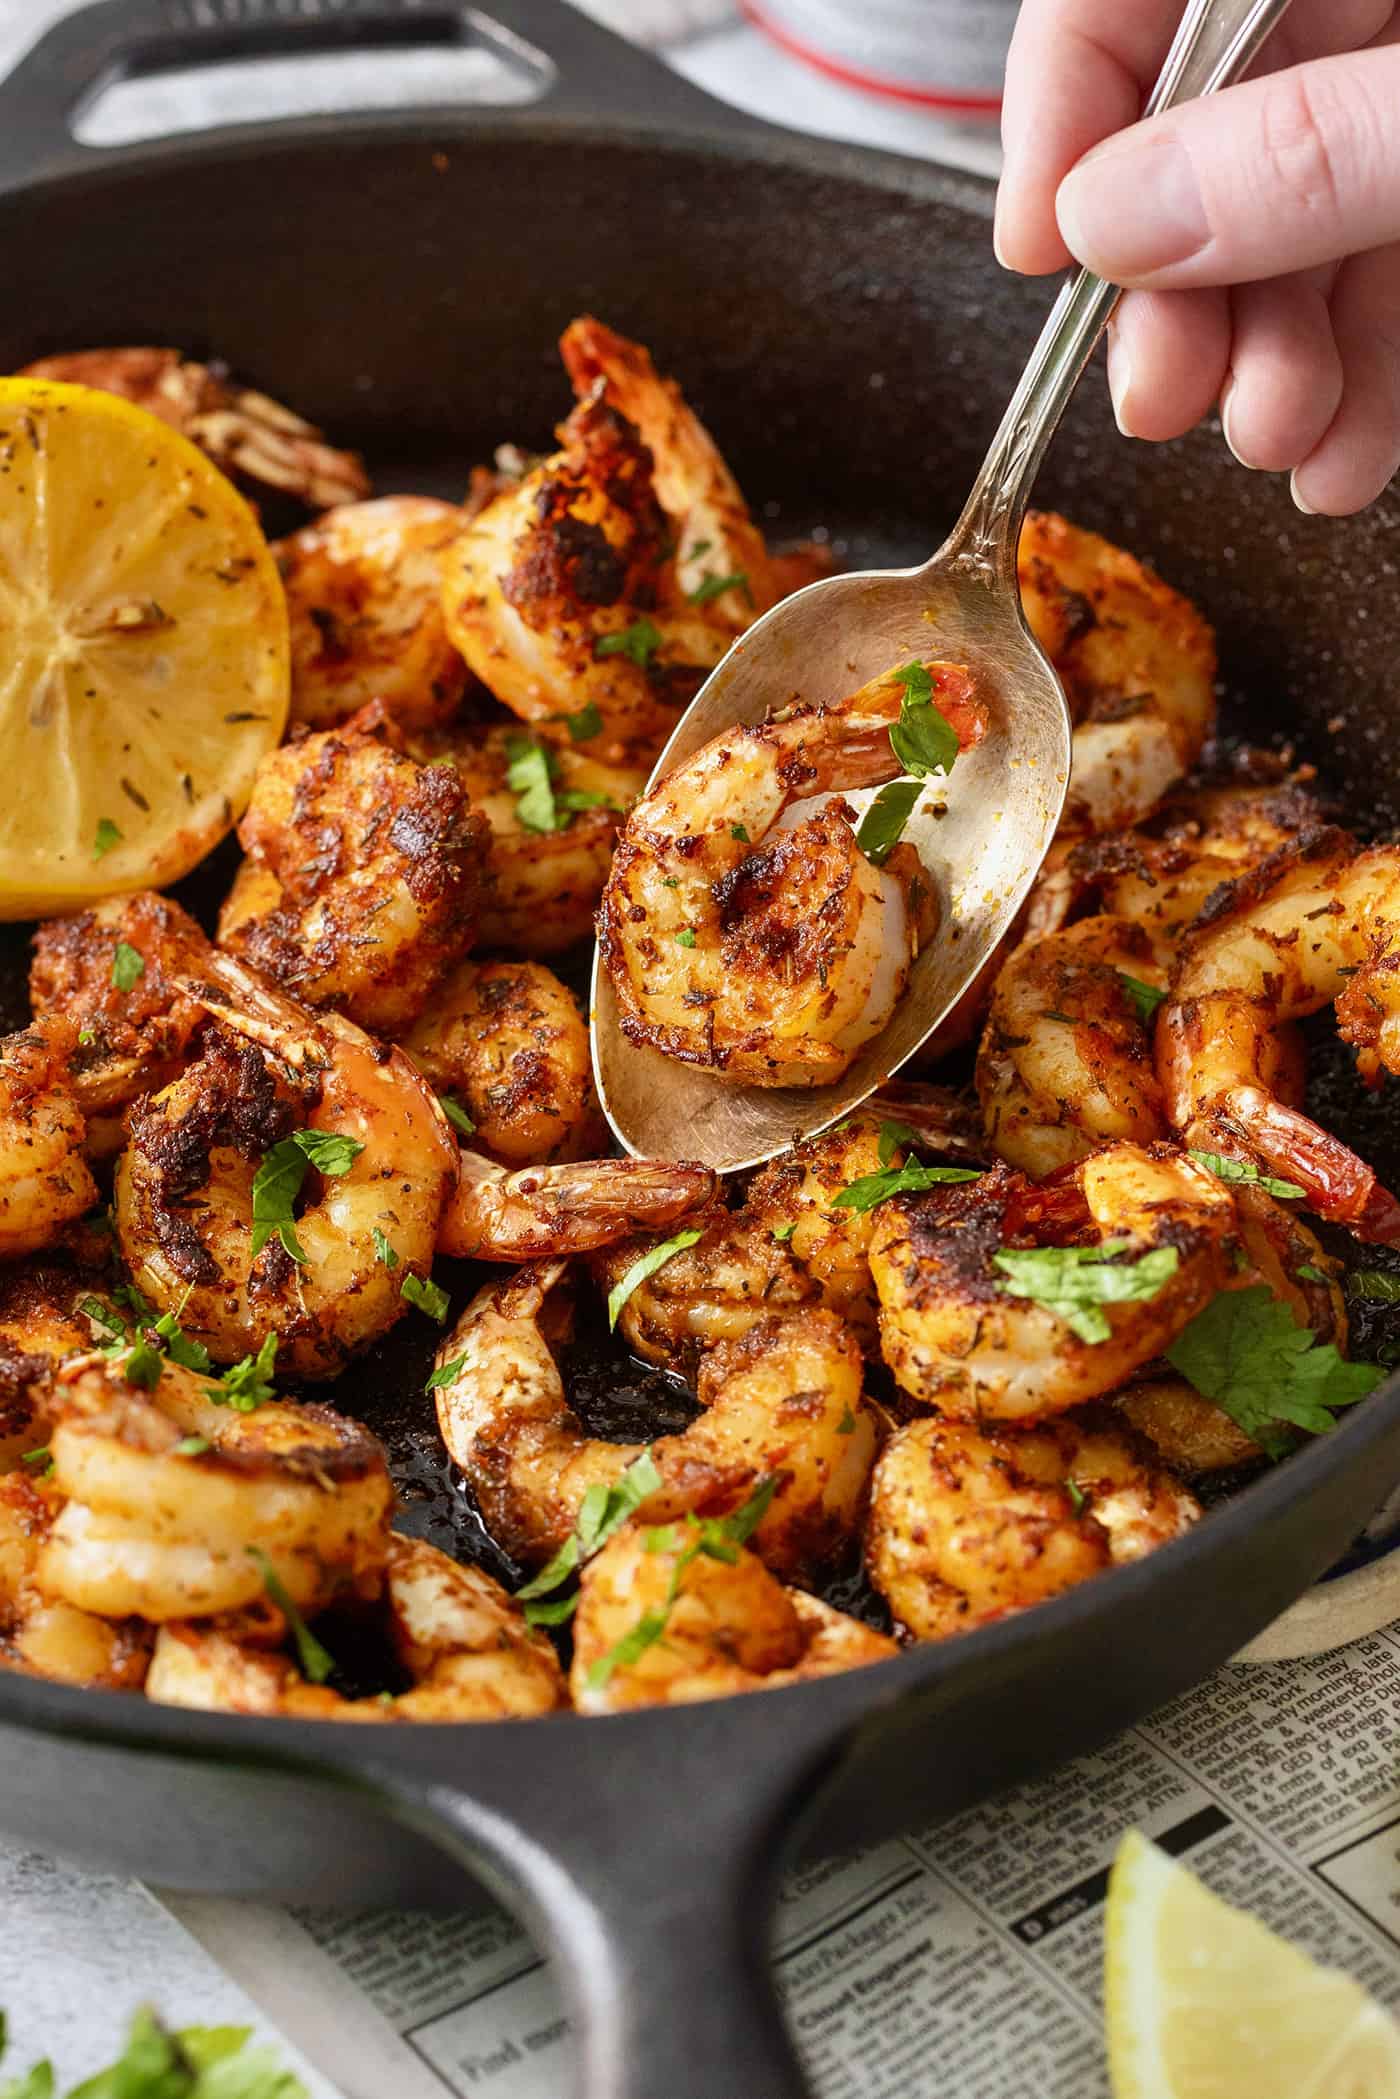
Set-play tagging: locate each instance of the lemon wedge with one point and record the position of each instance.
(143, 649)
(1204, 2002)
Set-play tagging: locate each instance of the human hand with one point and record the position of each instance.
(1260, 228)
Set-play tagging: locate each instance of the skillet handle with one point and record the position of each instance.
(585, 72)
(650, 1881)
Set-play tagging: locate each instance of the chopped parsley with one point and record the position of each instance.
(1144, 998)
(603, 1510)
(277, 1182)
(882, 826)
(247, 1385)
(584, 725)
(456, 1115)
(710, 587)
(105, 837)
(1078, 1499)
(145, 1344)
(1241, 1170)
(638, 643)
(893, 1135)
(646, 1266)
(713, 1537)
(128, 967)
(198, 2062)
(1308, 1274)
(910, 1179)
(922, 740)
(531, 773)
(383, 1251)
(1246, 1354)
(316, 1662)
(428, 1296)
(38, 1456)
(846, 1426)
(1074, 1282)
(445, 1373)
(686, 937)
(740, 832)
(783, 1232)
(191, 1447)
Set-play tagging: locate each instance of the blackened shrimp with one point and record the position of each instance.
(135, 1030)
(746, 935)
(44, 1179)
(455, 1633)
(593, 580)
(970, 1523)
(1138, 665)
(177, 1506)
(364, 603)
(549, 848)
(184, 1191)
(1315, 922)
(507, 1043)
(783, 1400)
(243, 432)
(959, 1338)
(728, 1625)
(364, 874)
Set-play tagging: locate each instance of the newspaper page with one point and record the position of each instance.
(961, 1960)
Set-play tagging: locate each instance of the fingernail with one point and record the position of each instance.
(1303, 505)
(1129, 211)
(1120, 379)
(1226, 402)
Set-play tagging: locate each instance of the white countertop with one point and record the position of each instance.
(78, 1952)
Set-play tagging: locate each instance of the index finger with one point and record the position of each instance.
(1080, 70)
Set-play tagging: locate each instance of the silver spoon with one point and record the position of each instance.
(998, 814)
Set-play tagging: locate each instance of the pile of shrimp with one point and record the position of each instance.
(937, 1342)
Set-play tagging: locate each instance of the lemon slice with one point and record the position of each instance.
(1203, 2002)
(143, 649)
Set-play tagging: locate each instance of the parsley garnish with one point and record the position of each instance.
(1245, 1353)
(128, 967)
(445, 1373)
(147, 1342)
(584, 725)
(602, 1511)
(783, 1232)
(530, 775)
(922, 740)
(383, 1251)
(909, 1179)
(191, 1447)
(247, 1385)
(1240, 1170)
(716, 1538)
(638, 643)
(456, 1115)
(198, 2062)
(846, 1426)
(277, 1182)
(882, 825)
(892, 1136)
(1074, 1281)
(656, 1257)
(105, 837)
(710, 587)
(738, 831)
(428, 1296)
(1145, 998)
(686, 937)
(1078, 1499)
(316, 1662)
(38, 1456)
(1308, 1274)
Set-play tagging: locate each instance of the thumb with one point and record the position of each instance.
(1296, 169)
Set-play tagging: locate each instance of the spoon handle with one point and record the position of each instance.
(1216, 41)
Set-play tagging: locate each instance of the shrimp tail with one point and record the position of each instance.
(1339, 1185)
(577, 1209)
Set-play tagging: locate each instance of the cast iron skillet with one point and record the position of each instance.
(838, 316)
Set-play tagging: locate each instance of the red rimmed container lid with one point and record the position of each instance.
(947, 55)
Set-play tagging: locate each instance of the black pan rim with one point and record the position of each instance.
(127, 1719)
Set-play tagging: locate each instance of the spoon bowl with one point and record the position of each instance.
(982, 833)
